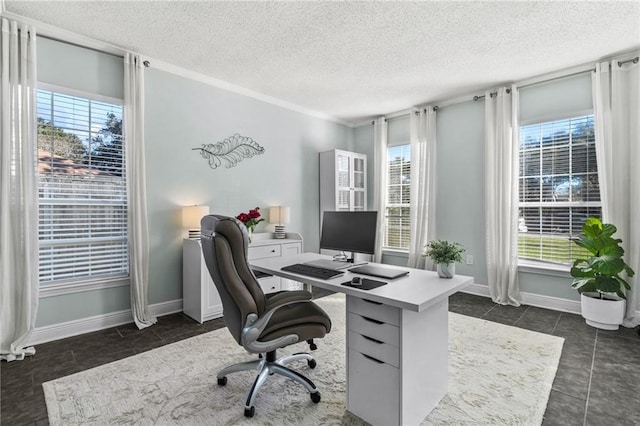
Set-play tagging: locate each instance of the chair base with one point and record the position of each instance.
(270, 365)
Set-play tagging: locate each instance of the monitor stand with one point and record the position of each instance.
(344, 263)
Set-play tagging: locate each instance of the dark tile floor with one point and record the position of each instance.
(597, 383)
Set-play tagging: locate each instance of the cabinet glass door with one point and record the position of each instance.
(344, 200)
(344, 171)
(358, 173)
(358, 200)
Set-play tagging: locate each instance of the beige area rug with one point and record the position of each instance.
(497, 375)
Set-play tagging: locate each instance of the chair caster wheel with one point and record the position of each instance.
(312, 363)
(222, 381)
(315, 397)
(313, 346)
(249, 412)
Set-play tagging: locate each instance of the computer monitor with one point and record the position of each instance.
(353, 232)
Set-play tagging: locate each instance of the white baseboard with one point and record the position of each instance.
(548, 302)
(99, 322)
(113, 319)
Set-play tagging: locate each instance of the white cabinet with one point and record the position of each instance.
(264, 246)
(343, 181)
(200, 298)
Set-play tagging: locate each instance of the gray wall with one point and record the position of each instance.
(182, 114)
(460, 182)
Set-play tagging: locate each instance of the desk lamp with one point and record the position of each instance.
(191, 216)
(279, 215)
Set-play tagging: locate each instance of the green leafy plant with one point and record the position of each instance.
(601, 272)
(444, 252)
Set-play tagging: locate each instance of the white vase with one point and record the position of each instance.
(605, 314)
(250, 232)
(446, 270)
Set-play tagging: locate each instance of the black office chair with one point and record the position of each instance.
(260, 324)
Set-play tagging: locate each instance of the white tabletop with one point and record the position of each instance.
(415, 292)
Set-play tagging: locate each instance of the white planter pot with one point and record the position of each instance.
(602, 313)
(446, 271)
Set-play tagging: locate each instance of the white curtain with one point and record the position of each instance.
(380, 181)
(423, 185)
(616, 93)
(136, 189)
(18, 194)
(501, 199)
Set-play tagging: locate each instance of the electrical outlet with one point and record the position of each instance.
(469, 260)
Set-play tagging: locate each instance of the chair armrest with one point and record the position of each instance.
(277, 299)
(254, 326)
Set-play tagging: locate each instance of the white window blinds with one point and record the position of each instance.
(397, 228)
(559, 187)
(82, 189)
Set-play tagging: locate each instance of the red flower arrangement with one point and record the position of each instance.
(250, 219)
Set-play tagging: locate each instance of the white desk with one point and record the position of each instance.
(397, 340)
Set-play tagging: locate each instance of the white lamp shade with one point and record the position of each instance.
(279, 215)
(191, 216)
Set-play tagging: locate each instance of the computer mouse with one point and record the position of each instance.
(356, 281)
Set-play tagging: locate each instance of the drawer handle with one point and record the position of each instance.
(372, 320)
(372, 339)
(273, 251)
(373, 359)
(371, 301)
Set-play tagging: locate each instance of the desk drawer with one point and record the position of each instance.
(373, 389)
(372, 328)
(377, 349)
(269, 284)
(374, 310)
(262, 252)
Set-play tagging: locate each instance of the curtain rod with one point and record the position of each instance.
(492, 94)
(634, 60)
(146, 63)
(435, 108)
(557, 78)
(79, 45)
(416, 112)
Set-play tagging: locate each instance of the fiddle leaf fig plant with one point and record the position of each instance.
(600, 273)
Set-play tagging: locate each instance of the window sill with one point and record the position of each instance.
(395, 252)
(543, 268)
(69, 287)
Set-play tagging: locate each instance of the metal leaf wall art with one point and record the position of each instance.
(230, 151)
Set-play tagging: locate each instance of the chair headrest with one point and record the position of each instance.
(226, 226)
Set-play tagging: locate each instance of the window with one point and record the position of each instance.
(82, 189)
(397, 228)
(558, 188)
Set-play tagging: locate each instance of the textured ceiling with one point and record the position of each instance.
(354, 60)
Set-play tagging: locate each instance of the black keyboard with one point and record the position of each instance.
(312, 271)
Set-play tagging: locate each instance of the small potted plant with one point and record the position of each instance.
(445, 255)
(598, 278)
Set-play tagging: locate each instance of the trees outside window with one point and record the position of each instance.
(82, 189)
(558, 187)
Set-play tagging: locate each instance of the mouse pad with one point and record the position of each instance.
(367, 284)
